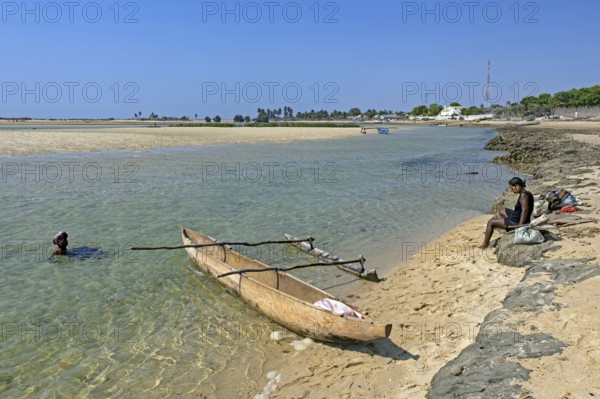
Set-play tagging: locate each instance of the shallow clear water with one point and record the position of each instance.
(127, 324)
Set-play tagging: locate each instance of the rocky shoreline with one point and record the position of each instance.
(494, 365)
(546, 154)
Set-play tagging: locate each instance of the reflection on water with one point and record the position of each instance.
(131, 324)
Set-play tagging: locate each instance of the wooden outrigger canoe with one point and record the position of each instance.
(280, 296)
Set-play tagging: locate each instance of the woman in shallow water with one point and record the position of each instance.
(83, 252)
(521, 215)
(60, 240)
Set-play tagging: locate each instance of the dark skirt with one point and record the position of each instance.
(513, 218)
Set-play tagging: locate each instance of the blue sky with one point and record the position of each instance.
(113, 59)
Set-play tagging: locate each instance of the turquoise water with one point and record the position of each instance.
(128, 324)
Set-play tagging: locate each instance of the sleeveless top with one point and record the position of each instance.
(519, 210)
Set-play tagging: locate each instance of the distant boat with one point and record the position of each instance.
(380, 130)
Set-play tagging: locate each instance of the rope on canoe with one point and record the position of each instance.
(310, 240)
(360, 260)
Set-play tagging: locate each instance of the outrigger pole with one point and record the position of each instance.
(360, 260)
(310, 240)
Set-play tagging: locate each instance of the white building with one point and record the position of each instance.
(449, 112)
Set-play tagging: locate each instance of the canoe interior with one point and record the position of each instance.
(282, 282)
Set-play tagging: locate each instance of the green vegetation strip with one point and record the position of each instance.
(268, 124)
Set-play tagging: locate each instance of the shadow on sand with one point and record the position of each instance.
(381, 347)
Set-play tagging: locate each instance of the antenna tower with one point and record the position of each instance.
(487, 87)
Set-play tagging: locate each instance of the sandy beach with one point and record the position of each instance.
(462, 324)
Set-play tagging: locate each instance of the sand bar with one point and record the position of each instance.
(30, 141)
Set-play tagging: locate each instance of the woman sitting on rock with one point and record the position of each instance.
(509, 218)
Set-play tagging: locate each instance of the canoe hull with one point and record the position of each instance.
(279, 296)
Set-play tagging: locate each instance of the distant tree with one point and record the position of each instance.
(455, 105)
(207, 119)
(184, 118)
(247, 118)
(435, 109)
(592, 96)
(528, 100)
(420, 110)
(544, 99)
(371, 113)
(262, 117)
(195, 116)
(553, 104)
(339, 114)
(530, 104)
(135, 115)
(561, 98)
(471, 111)
(354, 112)
(217, 119)
(238, 118)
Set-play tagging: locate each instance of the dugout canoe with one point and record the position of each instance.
(281, 297)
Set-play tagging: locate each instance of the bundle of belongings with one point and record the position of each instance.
(531, 233)
(527, 235)
(551, 200)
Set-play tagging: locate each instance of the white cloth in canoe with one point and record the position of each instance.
(337, 308)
